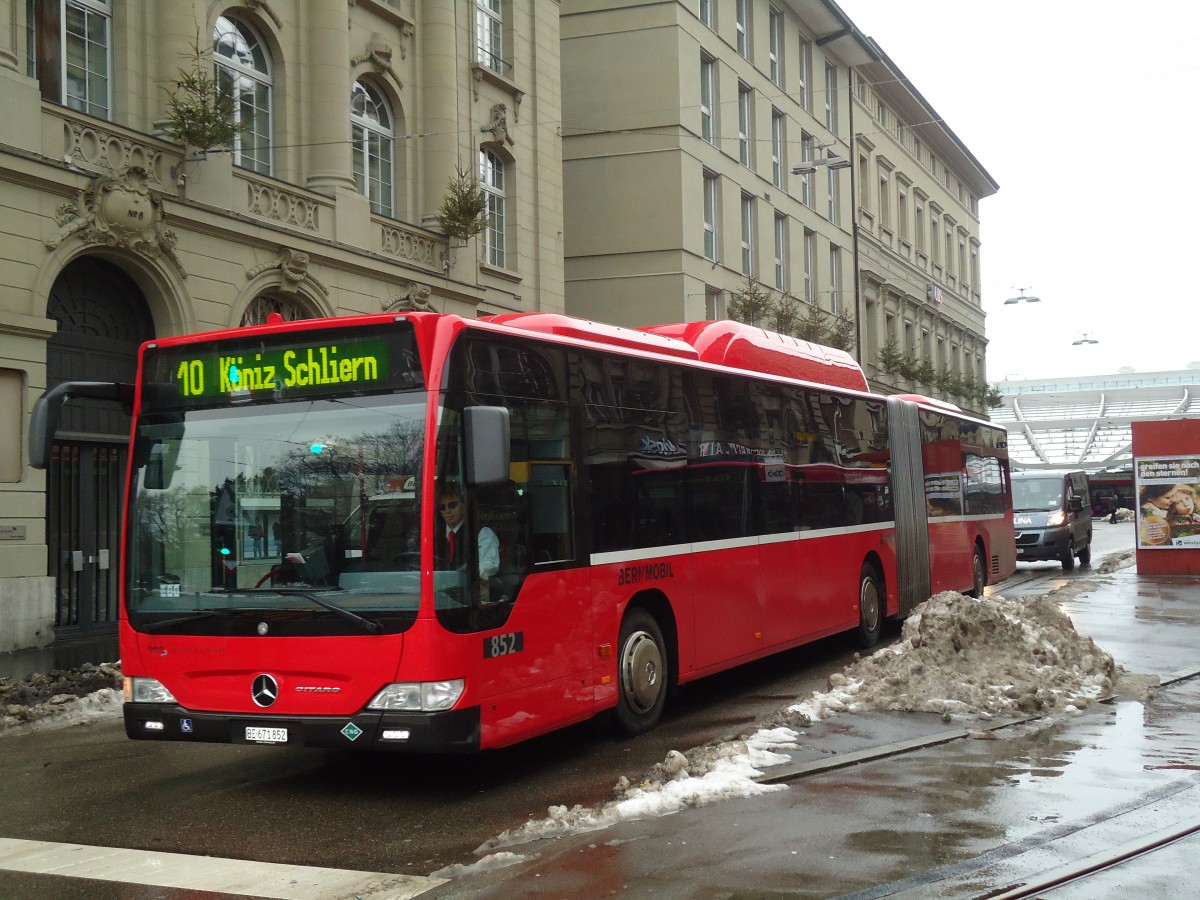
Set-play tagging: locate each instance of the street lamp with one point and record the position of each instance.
(1084, 340)
(1023, 297)
(831, 162)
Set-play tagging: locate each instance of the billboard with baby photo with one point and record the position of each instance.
(1168, 491)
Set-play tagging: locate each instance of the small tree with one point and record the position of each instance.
(464, 212)
(752, 304)
(785, 315)
(843, 335)
(890, 357)
(199, 113)
(813, 326)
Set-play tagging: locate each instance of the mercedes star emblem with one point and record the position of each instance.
(265, 690)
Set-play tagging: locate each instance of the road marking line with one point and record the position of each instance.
(207, 873)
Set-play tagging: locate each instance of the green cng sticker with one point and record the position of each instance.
(351, 731)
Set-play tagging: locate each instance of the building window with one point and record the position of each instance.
(935, 239)
(748, 235)
(777, 143)
(831, 109)
(489, 34)
(707, 98)
(243, 73)
(289, 306)
(835, 197)
(835, 279)
(902, 214)
(776, 37)
(962, 263)
(374, 146)
(491, 179)
(885, 207)
(714, 303)
(706, 12)
(810, 264)
(806, 156)
(745, 120)
(780, 252)
(743, 28)
(806, 58)
(710, 216)
(70, 53)
(919, 225)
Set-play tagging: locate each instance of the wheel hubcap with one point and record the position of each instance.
(868, 603)
(641, 670)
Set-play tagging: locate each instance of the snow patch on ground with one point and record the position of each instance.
(62, 710)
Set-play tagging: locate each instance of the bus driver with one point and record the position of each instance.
(450, 548)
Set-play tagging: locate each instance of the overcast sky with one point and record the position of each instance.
(1081, 111)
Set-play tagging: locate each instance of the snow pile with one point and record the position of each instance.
(702, 776)
(966, 657)
(59, 697)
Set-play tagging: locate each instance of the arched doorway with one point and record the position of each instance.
(102, 318)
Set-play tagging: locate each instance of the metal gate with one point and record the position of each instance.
(102, 317)
(85, 486)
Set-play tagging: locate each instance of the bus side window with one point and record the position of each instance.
(550, 512)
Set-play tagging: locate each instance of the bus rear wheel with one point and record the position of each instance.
(642, 673)
(870, 606)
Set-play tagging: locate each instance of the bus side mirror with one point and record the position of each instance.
(44, 420)
(485, 430)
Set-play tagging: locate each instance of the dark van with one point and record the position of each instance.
(1052, 514)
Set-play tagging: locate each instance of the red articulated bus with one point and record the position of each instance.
(638, 508)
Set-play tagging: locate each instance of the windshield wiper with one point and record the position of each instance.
(194, 616)
(366, 624)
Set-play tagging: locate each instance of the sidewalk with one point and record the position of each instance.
(903, 804)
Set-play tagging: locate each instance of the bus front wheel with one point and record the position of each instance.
(642, 673)
(870, 606)
(978, 573)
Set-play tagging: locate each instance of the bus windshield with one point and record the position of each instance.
(302, 510)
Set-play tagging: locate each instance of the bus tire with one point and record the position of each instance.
(871, 601)
(1085, 555)
(642, 675)
(978, 573)
(1068, 558)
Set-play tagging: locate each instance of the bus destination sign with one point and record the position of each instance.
(211, 374)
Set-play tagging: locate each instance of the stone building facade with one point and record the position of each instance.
(684, 125)
(354, 116)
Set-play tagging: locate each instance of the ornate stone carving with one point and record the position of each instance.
(498, 125)
(273, 203)
(292, 267)
(414, 298)
(379, 55)
(408, 245)
(119, 210)
(97, 148)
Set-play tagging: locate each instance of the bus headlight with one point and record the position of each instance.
(147, 690)
(1056, 518)
(425, 696)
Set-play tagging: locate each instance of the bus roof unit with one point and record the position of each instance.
(595, 332)
(742, 346)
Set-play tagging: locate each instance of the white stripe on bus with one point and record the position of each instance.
(624, 556)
